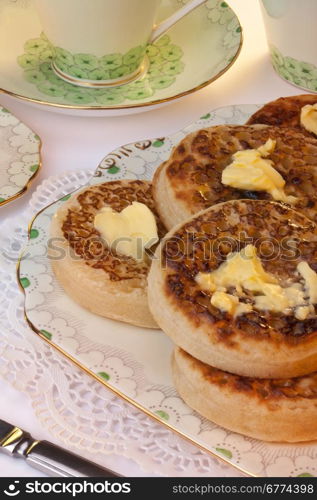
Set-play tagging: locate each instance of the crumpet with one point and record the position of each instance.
(283, 410)
(284, 112)
(191, 179)
(259, 342)
(99, 279)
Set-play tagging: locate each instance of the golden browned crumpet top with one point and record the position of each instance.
(284, 112)
(78, 226)
(283, 238)
(195, 167)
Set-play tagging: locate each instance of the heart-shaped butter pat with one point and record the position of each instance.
(129, 232)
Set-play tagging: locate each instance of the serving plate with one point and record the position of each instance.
(19, 156)
(196, 51)
(134, 362)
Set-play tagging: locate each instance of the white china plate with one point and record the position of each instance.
(19, 156)
(135, 362)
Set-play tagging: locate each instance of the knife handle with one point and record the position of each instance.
(57, 462)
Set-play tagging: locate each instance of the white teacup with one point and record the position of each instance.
(102, 43)
(292, 38)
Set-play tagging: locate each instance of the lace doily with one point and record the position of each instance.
(81, 413)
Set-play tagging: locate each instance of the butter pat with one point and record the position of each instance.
(308, 118)
(129, 232)
(278, 299)
(310, 278)
(244, 272)
(252, 171)
(241, 269)
(229, 303)
(303, 311)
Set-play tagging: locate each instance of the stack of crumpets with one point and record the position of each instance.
(234, 282)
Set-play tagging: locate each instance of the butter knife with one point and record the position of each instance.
(47, 457)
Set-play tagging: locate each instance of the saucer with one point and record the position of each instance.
(196, 51)
(19, 157)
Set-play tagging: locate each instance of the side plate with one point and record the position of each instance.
(133, 362)
(20, 159)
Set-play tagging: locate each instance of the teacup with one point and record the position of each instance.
(100, 43)
(292, 37)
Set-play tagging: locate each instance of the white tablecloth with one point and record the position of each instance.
(71, 143)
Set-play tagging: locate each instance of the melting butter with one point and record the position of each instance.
(129, 232)
(308, 118)
(310, 278)
(244, 272)
(240, 269)
(229, 303)
(251, 170)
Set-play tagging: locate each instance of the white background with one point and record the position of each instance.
(71, 143)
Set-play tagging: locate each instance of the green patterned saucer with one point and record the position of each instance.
(19, 156)
(194, 52)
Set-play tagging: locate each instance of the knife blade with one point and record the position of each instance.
(47, 457)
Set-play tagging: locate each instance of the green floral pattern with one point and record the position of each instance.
(165, 60)
(220, 12)
(90, 67)
(25, 282)
(225, 452)
(163, 415)
(104, 375)
(34, 233)
(300, 73)
(46, 334)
